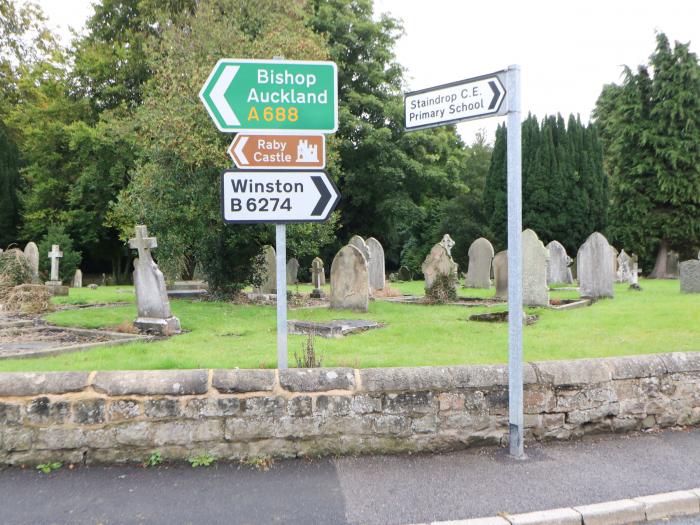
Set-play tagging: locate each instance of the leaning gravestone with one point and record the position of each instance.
(32, 253)
(154, 315)
(318, 278)
(479, 269)
(268, 271)
(500, 274)
(690, 275)
(624, 268)
(596, 271)
(558, 269)
(55, 285)
(377, 278)
(78, 279)
(535, 257)
(349, 280)
(439, 267)
(292, 271)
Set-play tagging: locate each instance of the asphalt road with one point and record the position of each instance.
(364, 490)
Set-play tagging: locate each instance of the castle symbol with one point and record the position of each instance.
(306, 153)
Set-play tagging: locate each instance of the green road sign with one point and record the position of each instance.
(264, 95)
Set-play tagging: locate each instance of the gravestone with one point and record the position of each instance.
(377, 278)
(268, 272)
(404, 274)
(479, 269)
(78, 279)
(624, 268)
(596, 272)
(690, 275)
(558, 269)
(672, 268)
(55, 285)
(152, 304)
(359, 243)
(500, 274)
(535, 257)
(615, 253)
(349, 280)
(32, 253)
(318, 278)
(447, 243)
(292, 271)
(438, 264)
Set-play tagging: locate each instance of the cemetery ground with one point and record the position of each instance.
(226, 335)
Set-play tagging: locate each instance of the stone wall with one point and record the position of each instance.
(124, 416)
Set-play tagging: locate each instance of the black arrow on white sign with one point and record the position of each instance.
(496, 94)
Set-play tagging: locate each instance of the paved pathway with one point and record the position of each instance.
(365, 490)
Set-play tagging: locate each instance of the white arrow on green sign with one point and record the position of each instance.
(281, 95)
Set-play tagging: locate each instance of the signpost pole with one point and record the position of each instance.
(281, 245)
(515, 261)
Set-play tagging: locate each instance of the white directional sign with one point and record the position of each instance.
(469, 99)
(277, 196)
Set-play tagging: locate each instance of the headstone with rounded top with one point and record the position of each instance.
(596, 272)
(292, 271)
(535, 257)
(78, 279)
(377, 278)
(404, 274)
(672, 267)
(479, 269)
(359, 243)
(500, 274)
(558, 269)
(152, 304)
(349, 280)
(32, 253)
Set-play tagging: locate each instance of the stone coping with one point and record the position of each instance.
(643, 509)
(344, 380)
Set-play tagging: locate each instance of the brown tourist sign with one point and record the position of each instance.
(275, 152)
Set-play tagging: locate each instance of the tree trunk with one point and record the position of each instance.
(660, 271)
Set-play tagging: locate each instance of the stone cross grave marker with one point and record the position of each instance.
(318, 278)
(377, 277)
(152, 304)
(55, 254)
(32, 253)
(479, 269)
(349, 280)
(558, 269)
(535, 257)
(596, 271)
(292, 271)
(447, 243)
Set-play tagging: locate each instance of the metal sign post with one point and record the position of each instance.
(515, 262)
(476, 98)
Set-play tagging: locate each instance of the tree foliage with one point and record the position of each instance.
(565, 192)
(650, 128)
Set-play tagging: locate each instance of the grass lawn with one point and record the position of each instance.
(222, 335)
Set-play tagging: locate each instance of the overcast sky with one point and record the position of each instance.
(567, 50)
